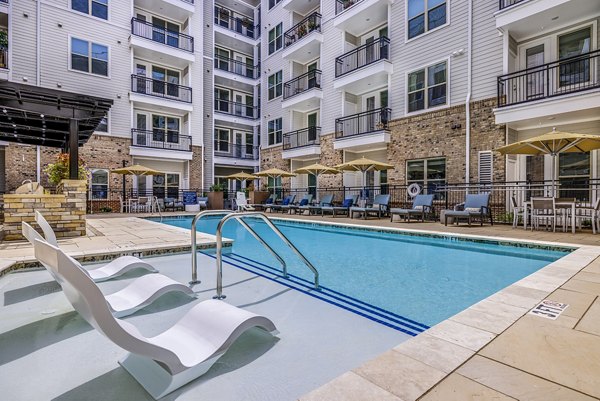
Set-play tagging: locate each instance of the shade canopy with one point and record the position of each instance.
(363, 165)
(553, 143)
(274, 173)
(136, 169)
(317, 169)
(241, 176)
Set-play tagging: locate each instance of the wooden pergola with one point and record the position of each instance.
(34, 115)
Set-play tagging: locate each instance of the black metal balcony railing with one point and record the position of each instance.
(237, 67)
(341, 5)
(306, 81)
(303, 28)
(237, 109)
(362, 56)
(363, 123)
(302, 137)
(4, 1)
(161, 139)
(3, 57)
(569, 75)
(154, 87)
(236, 151)
(161, 35)
(507, 3)
(241, 24)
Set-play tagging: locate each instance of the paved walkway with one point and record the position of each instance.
(109, 238)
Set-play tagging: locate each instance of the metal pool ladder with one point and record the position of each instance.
(239, 216)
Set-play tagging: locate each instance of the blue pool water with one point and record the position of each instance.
(421, 279)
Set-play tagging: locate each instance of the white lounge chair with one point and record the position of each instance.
(171, 359)
(140, 293)
(242, 202)
(114, 268)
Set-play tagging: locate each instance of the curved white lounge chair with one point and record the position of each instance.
(114, 268)
(140, 293)
(167, 361)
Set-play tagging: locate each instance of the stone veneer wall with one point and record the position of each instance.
(330, 157)
(65, 211)
(196, 168)
(271, 158)
(431, 135)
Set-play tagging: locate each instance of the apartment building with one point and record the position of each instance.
(145, 55)
(551, 78)
(423, 85)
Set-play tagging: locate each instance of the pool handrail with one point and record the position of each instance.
(244, 224)
(239, 216)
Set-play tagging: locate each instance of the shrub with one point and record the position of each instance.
(60, 170)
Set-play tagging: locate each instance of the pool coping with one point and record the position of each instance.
(459, 331)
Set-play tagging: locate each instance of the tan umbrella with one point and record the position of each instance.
(274, 173)
(317, 170)
(241, 176)
(363, 165)
(553, 144)
(136, 169)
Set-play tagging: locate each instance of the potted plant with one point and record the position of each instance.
(312, 25)
(223, 13)
(301, 31)
(3, 40)
(246, 22)
(257, 196)
(215, 197)
(60, 170)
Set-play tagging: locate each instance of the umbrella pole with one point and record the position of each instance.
(553, 175)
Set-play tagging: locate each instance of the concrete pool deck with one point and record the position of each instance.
(494, 349)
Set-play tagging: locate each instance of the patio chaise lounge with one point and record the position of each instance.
(174, 204)
(304, 202)
(421, 207)
(270, 201)
(475, 206)
(288, 200)
(349, 201)
(142, 291)
(168, 360)
(109, 271)
(379, 207)
(326, 200)
(242, 203)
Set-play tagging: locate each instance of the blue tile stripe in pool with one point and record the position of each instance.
(348, 303)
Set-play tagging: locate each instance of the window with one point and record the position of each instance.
(165, 81)
(273, 3)
(574, 175)
(276, 38)
(89, 57)
(103, 126)
(427, 87)
(275, 85)
(98, 8)
(99, 184)
(165, 129)
(428, 173)
(425, 15)
(222, 100)
(222, 140)
(166, 184)
(274, 185)
(275, 132)
(571, 45)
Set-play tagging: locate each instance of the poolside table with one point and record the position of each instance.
(562, 205)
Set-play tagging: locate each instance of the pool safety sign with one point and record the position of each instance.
(549, 309)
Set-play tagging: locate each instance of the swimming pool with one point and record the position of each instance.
(407, 281)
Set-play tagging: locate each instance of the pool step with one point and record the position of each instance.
(351, 304)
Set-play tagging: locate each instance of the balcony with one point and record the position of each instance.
(233, 112)
(364, 68)
(360, 16)
(160, 143)
(363, 131)
(523, 19)
(303, 93)
(298, 6)
(234, 72)
(175, 10)
(148, 91)
(303, 40)
(155, 42)
(570, 85)
(304, 143)
(233, 154)
(243, 27)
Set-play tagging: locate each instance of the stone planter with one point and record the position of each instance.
(257, 197)
(215, 200)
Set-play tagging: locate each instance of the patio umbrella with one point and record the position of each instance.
(363, 165)
(241, 176)
(317, 170)
(553, 144)
(136, 169)
(274, 173)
